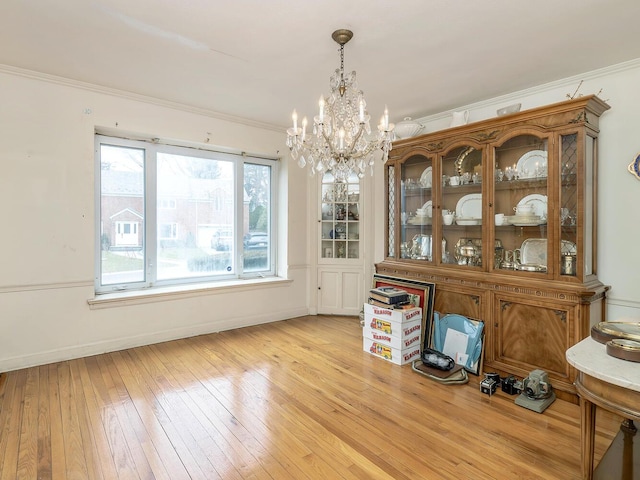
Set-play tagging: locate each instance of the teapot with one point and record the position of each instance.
(459, 118)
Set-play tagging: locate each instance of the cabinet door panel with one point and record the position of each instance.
(351, 291)
(340, 292)
(462, 302)
(532, 336)
(330, 291)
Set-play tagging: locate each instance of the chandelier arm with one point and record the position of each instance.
(355, 141)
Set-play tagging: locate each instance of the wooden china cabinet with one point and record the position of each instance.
(519, 253)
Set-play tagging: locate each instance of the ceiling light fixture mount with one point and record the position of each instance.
(341, 141)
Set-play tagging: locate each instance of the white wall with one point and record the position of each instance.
(46, 246)
(618, 191)
(47, 198)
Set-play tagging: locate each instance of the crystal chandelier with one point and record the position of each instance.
(341, 141)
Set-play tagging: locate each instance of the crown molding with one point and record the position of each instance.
(546, 87)
(45, 77)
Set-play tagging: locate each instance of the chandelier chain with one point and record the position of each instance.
(342, 86)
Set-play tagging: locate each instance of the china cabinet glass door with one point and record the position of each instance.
(340, 218)
(416, 209)
(569, 218)
(521, 205)
(462, 207)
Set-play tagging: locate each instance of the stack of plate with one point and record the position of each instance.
(468, 221)
(420, 220)
(525, 220)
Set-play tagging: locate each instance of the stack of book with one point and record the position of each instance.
(389, 297)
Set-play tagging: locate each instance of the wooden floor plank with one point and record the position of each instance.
(170, 396)
(44, 460)
(94, 409)
(177, 355)
(247, 424)
(145, 457)
(58, 460)
(125, 467)
(75, 461)
(296, 399)
(28, 447)
(231, 458)
(12, 414)
(154, 435)
(151, 395)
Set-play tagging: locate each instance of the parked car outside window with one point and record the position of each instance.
(256, 240)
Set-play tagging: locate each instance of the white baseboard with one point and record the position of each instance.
(79, 351)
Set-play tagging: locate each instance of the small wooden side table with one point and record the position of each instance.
(609, 383)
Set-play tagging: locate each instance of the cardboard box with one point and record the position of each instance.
(390, 354)
(392, 314)
(395, 334)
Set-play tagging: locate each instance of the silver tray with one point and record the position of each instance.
(534, 251)
(531, 267)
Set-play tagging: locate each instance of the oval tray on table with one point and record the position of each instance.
(621, 338)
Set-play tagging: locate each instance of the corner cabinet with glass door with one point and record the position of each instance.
(341, 284)
(501, 215)
(340, 218)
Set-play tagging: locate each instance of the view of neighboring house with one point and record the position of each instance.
(191, 211)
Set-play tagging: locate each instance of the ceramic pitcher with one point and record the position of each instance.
(459, 118)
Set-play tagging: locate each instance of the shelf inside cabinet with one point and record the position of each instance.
(468, 188)
(527, 183)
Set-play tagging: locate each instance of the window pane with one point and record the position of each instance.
(257, 217)
(196, 235)
(121, 211)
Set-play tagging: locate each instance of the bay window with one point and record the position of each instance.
(170, 214)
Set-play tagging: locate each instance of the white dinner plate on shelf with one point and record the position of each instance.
(539, 203)
(428, 208)
(470, 206)
(426, 178)
(527, 163)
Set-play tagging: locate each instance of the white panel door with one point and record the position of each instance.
(340, 291)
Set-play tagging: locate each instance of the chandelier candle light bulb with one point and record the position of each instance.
(341, 141)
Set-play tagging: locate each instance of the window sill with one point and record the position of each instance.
(179, 292)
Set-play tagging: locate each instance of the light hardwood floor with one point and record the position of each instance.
(295, 399)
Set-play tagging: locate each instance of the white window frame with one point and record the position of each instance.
(152, 147)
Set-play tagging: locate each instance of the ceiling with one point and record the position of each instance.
(258, 59)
